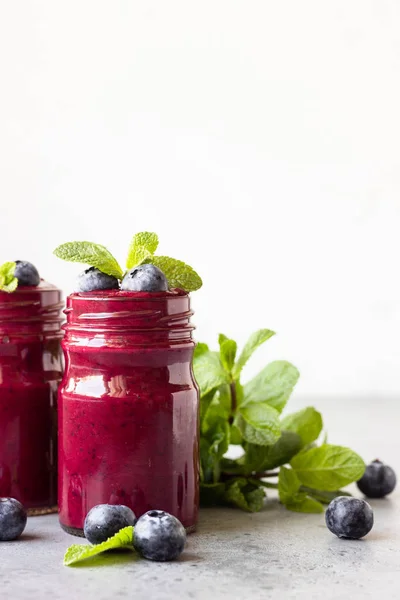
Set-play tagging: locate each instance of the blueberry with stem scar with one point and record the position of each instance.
(145, 278)
(378, 481)
(26, 273)
(93, 279)
(159, 536)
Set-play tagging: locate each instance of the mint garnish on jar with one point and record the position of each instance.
(146, 272)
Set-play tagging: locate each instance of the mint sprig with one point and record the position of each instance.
(143, 245)
(141, 250)
(8, 282)
(81, 552)
(91, 254)
(307, 474)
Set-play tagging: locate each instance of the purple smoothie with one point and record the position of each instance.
(30, 371)
(128, 406)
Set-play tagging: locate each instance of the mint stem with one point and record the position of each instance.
(233, 401)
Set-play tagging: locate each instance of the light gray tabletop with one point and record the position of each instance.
(272, 554)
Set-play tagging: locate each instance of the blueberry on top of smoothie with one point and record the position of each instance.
(349, 517)
(145, 278)
(105, 520)
(12, 519)
(159, 536)
(93, 279)
(378, 481)
(26, 273)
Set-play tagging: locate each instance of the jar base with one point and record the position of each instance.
(79, 532)
(38, 512)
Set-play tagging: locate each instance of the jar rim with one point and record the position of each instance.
(123, 295)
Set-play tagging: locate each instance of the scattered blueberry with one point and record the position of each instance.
(349, 517)
(93, 279)
(145, 278)
(105, 520)
(159, 536)
(26, 273)
(12, 519)
(378, 481)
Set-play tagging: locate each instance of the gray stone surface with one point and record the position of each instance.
(270, 555)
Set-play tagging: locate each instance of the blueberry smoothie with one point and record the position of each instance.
(30, 371)
(128, 406)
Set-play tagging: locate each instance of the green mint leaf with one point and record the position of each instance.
(245, 495)
(305, 505)
(91, 254)
(209, 372)
(228, 350)
(321, 496)
(265, 458)
(273, 385)
(212, 494)
(254, 341)
(288, 485)
(236, 436)
(200, 348)
(307, 423)
(8, 283)
(328, 467)
(218, 409)
(79, 552)
(143, 245)
(205, 401)
(178, 274)
(258, 423)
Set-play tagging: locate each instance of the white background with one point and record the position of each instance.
(260, 139)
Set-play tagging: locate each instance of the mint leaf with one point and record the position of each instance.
(8, 283)
(236, 436)
(91, 254)
(305, 505)
(291, 496)
(178, 274)
(143, 245)
(79, 552)
(212, 494)
(258, 423)
(228, 350)
(245, 495)
(273, 385)
(200, 348)
(321, 496)
(254, 341)
(307, 423)
(328, 467)
(288, 485)
(218, 408)
(265, 458)
(208, 371)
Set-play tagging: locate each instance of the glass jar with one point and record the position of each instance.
(128, 406)
(30, 371)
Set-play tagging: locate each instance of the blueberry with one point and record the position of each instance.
(93, 279)
(349, 517)
(26, 273)
(378, 481)
(105, 520)
(159, 536)
(145, 278)
(12, 519)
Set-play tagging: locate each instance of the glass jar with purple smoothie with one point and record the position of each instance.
(128, 402)
(30, 371)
